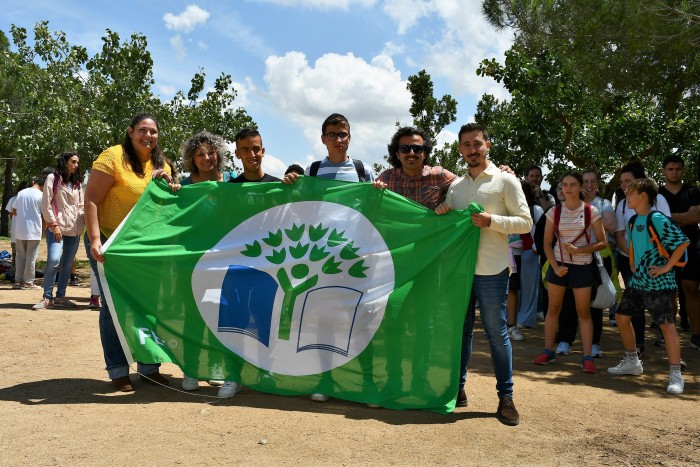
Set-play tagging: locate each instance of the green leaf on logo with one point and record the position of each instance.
(317, 253)
(336, 238)
(358, 269)
(299, 250)
(253, 250)
(274, 239)
(317, 233)
(300, 271)
(330, 266)
(295, 233)
(348, 252)
(277, 256)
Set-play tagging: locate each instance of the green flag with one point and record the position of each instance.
(317, 287)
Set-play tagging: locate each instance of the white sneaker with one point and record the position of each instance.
(217, 383)
(675, 383)
(515, 334)
(319, 397)
(540, 315)
(563, 348)
(43, 304)
(190, 384)
(627, 366)
(229, 389)
(596, 352)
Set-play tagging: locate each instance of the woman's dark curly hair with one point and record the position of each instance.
(62, 168)
(157, 158)
(393, 147)
(188, 148)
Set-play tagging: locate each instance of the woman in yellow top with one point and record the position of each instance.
(118, 178)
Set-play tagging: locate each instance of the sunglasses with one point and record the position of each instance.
(407, 148)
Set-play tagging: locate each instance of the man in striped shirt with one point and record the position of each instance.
(335, 135)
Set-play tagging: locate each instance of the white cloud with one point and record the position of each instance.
(274, 166)
(242, 91)
(167, 90)
(390, 49)
(467, 38)
(186, 21)
(371, 95)
(242, 34)
(407, 12)
(202, 45)
(321, 4)
(178, 47)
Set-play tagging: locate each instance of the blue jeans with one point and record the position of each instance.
(117, 364)
(491, 292)
(60, 254)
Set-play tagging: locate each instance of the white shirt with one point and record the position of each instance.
(28, 221)
(502, 197)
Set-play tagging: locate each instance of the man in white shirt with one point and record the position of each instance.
(505, 212)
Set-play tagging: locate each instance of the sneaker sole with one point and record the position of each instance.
(554, 360)
(627, 373)
(674, 391)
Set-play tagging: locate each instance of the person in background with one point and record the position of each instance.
(533, 176)
(684, 203)
(296, 168)
(12, 212)
(653, 282)
(529, 266)
(571, 265)
(623, 213)
(62, 208)
(29, 225)
(117, 180)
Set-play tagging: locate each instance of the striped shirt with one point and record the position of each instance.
(571, 224)
(429, 188)
(343, 171)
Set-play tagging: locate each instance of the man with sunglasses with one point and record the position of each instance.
(335, 135)
(505, 212)
(412, 176)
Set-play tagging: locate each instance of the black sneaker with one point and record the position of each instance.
(73, 280)
(660, 342)
(695, 341)
(685, 325)
(507, 413)
(462, 398)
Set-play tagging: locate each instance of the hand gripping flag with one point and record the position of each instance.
(317, 287)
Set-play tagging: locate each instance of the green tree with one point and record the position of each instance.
(635, 63)
(56, 98)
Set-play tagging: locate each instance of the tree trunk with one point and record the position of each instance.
(6, 195)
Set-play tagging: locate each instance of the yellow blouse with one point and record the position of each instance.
(125, 192)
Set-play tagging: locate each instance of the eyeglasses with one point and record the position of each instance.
(407, 148)
(332, 135)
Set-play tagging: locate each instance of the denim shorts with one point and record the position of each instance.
(660, 303)
(578, 277)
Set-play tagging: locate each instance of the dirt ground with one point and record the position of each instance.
(58, 408)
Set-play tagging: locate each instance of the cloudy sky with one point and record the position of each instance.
(294, 62)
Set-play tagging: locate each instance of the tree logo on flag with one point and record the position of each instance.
(297, 289)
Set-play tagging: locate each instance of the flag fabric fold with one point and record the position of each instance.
(316, 287)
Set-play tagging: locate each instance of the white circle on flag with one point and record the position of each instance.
(337, 274)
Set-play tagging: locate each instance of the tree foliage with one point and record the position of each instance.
(54, 98)
(596, 84)
(432, 115)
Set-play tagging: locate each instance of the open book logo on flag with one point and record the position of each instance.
(297, 289)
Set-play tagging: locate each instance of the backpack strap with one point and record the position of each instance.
(56, 184)
(656, 240)
(360, 169)
(313, 169)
